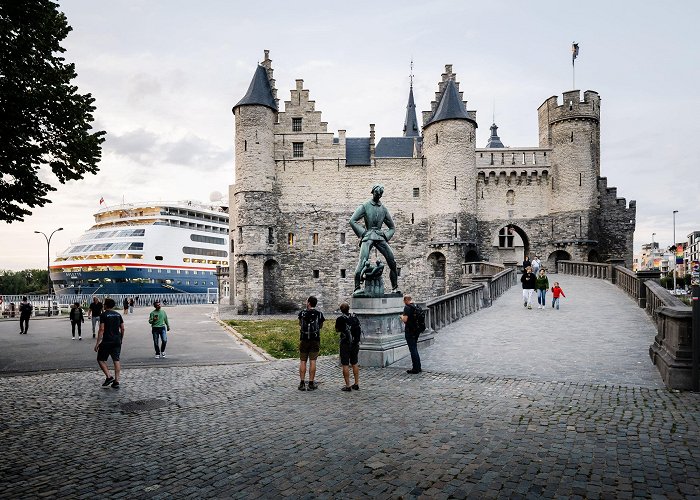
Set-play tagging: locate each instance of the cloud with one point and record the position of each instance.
(148, 148)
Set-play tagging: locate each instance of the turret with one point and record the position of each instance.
(449, 137)
(255, 208)
(572, 130)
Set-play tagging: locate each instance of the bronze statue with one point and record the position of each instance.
(375, 215)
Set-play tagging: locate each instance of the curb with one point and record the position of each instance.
(262, 353)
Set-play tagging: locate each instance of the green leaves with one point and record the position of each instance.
(44, 121)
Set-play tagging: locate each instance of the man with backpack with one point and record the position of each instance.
(310, 324)
(348, 325)
(25, 312)
(414, 321)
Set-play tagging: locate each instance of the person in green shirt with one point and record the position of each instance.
(158, 319)
(541, 285)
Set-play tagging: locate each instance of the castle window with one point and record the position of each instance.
(580, 178)
(534, 158)
(436, 139)
(572, 137)
(481, 155)
(513, 160)
(491, 158)
(342, 238)
(245, 145)
(510, 197)
(523, 158)
(316, 273)
(290, 239)
(503, 158)
(240, 235)
(298, 149)
(270, 236)
(506, 237)
(571, 105)
(416, 192)
(412, 219)
(342, 273)
(455, 225)
(296, 124)
(315, 239)
(455, 183)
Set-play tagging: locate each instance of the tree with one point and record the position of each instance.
(44, 121)
(21, 282)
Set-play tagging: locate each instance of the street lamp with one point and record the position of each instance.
(674, 251)
(48, 267)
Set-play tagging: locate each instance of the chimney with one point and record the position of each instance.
(371, 141)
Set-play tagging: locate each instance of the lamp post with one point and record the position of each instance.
(674, 251)
(48, 267)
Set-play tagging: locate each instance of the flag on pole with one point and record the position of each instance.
(102, 200)
(574, 52)
(679, 253)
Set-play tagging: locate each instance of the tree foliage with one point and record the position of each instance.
(44, 121)
(21, 282)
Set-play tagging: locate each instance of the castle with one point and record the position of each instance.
(297, 184)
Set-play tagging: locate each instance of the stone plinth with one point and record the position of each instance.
(383, 341)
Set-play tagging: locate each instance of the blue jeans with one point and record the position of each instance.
(542, 297)
(159, 333)
(412, 342)
(555, 302)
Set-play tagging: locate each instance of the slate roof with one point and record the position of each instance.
(494, 140)
(259, 92)
(451, 106)
(357, 151)
(394, 147)
(410, 125)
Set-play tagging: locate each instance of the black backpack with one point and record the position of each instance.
(353, 329)
(310, 325)
(419, 319)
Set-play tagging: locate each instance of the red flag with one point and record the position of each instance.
(102, 200)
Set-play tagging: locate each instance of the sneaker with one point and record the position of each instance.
(72, 338)
(157, 356)
(162, 354)
(312, 385)
(345, 388)
(302, 386)
(80, 338)
(108, 381)
(115, 384)
(413, 372)
(529, 307)
(355, 387)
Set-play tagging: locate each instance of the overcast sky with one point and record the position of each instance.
(166, 73)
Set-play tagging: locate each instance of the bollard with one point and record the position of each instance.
(696, 336)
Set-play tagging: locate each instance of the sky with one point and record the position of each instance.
(166, 73)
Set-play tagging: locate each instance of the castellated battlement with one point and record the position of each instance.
(514, 177)
(608, 197)
(513, 158)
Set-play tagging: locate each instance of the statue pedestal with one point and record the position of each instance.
(383, 342)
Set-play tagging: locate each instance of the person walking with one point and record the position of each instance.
(526, 263)
(541, 285)
(158, 319)
(556, 292)
(76, 319)
(536, 265)
(528, 280)
(125, 304)
(348, 325)
(310, 323)
(131, 306)
(94, 311)
(109, 343)
(410, 333)
(25, 312)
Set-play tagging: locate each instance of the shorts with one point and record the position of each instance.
(104, 351)
(349, 353)
(308, 349)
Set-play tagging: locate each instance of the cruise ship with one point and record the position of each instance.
(146, 248)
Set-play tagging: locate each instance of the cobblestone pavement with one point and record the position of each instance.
(499, 428)
(245, 431)
(598, 335)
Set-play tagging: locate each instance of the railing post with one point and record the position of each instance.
(645, 276)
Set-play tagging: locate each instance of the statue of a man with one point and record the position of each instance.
(371, 235)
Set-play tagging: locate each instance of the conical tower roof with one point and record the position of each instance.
(494, 140)
(410, 126)
(451, 106)
(259, 92)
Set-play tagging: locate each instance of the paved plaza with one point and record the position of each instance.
(484, 420)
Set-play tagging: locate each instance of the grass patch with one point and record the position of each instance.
(280, 337)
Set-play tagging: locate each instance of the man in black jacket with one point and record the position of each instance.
(25, 312)
(528, 280)
(409, 319)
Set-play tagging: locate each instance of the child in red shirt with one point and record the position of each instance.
(556, 292)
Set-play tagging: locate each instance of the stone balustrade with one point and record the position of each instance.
(455, 305)
(586, 269)
(481, 268)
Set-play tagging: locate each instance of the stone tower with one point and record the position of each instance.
(449, 142)
(572, 130)
(255, 209)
